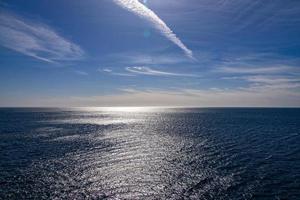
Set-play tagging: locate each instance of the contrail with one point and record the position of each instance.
(141, 10)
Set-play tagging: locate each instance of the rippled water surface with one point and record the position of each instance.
(149, 153)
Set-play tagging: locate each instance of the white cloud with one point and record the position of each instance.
(269, 81)
(111, 72)
(149, 58)
(106, 70)
(82, 73)
(153, 72)
(141, 10)
(255, 70)
(36, 40)
(272, 79)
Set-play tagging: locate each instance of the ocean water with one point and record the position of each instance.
(149, 153)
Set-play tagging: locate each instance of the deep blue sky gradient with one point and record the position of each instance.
(227, 39)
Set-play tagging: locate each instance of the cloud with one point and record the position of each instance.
(269, 82)
(141, 10)
(149, 58)
(111, 72)
(153, 72)
(36, 40)
(82, 73)
(274, 82)
(106, 70)
(255, 70)
(272, 79)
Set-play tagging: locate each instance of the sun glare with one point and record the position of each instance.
(119, 109)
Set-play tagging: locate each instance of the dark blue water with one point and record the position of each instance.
(149, 153)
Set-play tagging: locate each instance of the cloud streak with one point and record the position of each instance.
(81, 73)
(142, 11)
(36, 40)
(153, 72)
(111, 72)
(256, 70)
(270, 82)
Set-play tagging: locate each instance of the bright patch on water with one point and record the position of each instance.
(149, 153)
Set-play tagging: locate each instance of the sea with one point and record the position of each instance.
(150, 153)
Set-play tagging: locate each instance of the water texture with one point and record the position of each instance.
(149, 153)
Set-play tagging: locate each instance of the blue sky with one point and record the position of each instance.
(150, 53)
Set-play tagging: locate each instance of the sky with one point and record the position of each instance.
(221, 53)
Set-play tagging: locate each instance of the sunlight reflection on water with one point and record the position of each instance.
(147, 153)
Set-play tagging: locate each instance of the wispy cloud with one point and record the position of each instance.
(149, 58)
(142, 70)
(276, 80)
(153, 72)
(141, 10)
(111, 72)
(271, 82)
(82, 73)
(105, 70)
(36, 40)
(255, 70)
